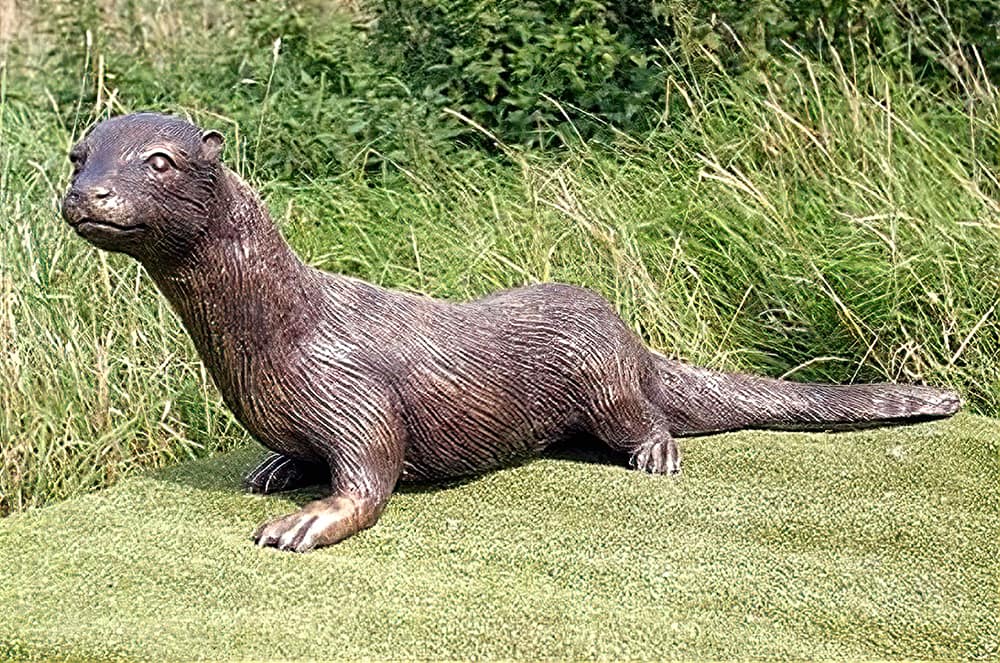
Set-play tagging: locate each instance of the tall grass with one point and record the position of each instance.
(824, 221)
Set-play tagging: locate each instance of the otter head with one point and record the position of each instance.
(144, 184)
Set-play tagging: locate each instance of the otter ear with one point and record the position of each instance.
(211, 145)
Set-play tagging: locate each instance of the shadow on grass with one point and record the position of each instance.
(224, 473)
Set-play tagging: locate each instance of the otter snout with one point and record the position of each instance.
(87, 199)
(96, 211)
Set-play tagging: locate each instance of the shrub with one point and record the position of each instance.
(523, 68)
(542, 69)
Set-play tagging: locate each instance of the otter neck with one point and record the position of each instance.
(241, 292)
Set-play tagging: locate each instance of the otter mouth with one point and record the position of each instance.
(91, 226)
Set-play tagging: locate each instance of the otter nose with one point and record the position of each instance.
(83, 191)
(84, 198)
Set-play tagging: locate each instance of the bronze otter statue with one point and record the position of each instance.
(365, 386)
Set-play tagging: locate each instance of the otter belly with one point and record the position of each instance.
(467, 414)
(508, 376)
(463, 424)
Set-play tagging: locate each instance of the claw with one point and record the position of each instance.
(662, 456)
(320, 523)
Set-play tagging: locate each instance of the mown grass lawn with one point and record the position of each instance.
(874, 544)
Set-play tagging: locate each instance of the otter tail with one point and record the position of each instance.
(699, 401)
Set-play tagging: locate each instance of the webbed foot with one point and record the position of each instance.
(319, 523)
(661, 455)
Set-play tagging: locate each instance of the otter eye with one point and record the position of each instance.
(159, 162)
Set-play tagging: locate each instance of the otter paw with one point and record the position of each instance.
(660, 456)
(320, 523)
(297, 532)
(278, 472)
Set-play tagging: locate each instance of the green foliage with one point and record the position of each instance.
(945, 41)
(336, 90)
(543, 70)
(529, 70)
(292, 78)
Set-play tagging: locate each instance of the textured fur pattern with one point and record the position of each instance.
(368, 386)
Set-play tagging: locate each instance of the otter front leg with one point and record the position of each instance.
(352, 507)
(365, 462)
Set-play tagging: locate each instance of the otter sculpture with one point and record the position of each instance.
(366, 386)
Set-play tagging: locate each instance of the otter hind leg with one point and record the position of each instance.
(640, 428)
(660, 454)
(279, 472)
